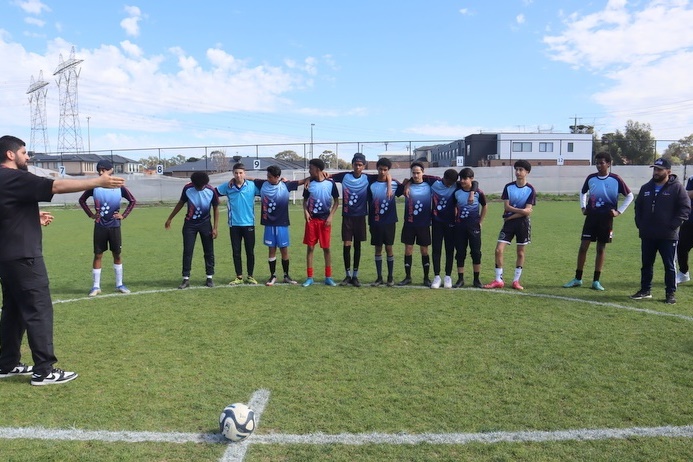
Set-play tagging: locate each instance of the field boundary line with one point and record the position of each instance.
(236, 452)
(497, 291)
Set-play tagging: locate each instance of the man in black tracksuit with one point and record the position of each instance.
(660, 208)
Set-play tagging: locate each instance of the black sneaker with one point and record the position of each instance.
(378, 282)
(671, 300)
(641, 294)
(427, 282)
(19, 369)
(477, 283)
(55, 377)
(355, 282)
(346, 281)
(404, 282)
(459, 284)
(209, 282)
(185, 284)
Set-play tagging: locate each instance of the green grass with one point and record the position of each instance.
(340, 360)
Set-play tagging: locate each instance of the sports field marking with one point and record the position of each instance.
(236, 452)
(497, 291)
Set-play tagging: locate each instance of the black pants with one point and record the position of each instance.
(685, 245)
(26, 305)
(667, 250)
(190, 232)
(246, 234)
(443, 234)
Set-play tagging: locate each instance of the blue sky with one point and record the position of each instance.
(243, 72)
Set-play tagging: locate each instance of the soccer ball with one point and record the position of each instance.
(237, 422)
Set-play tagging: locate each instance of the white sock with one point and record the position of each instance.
(118, 274)
(96, 277)
(518, 273)
(499, 274)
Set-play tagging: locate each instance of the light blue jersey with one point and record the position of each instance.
(240, 202)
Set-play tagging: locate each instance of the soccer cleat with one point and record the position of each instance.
(19, 369)
(573, 283)
(427, 282)
(55, 377)
(355, 282)
(641, 294)
(436, 282)
(271, 281)
(459, 283)
(378, 282)
(236, 282)
(288, 280)
(185, 284)
(390, 281)
(309, 282)
(94, 291)
(683, 277)
(495, 285)
(330, 282)
(404, 282)
(346, 281)
(122, 289)
(596, 285)
(447, 282)
(671, 300)
(516, 285)
(477, 283)
(251, 280)
(209, 282)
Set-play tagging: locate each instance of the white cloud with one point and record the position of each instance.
(131, 24)
(645, 51)
(443, 130)
(464, 11)
(34, 21)
(35, 7)
(520, 19)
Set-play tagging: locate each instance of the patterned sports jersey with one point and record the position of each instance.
(107, 203)
(274, 200)
(354, 193)
(518, 196)
(381, 209)
(603, 192)
(199, 203)
(241, 202)
(319, 196)
(442, 198)
(417, 206)
(466, 213)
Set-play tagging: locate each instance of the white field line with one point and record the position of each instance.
(236, 452)
(497, 291)
(39, 433)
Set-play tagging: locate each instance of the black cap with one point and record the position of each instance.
(104, 165)
(662, 163)
(358, 157)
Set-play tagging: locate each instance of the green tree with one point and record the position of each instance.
(680, 151)
(634, 146)
(289, 155)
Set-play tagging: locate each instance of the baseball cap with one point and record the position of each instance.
(662, 163)
(104, 165)
(358, 157)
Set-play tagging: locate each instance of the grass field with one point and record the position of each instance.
(348, 364)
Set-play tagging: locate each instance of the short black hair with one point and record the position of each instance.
(9, 143)
(384, 162)
(450, 175)
(238, 166)
(417, 164)
(199, 179)
(317, 163)
(604, 155)
(466, 173)
(523, 164)
(274, 170)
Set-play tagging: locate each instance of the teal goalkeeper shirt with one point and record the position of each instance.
(240, 202)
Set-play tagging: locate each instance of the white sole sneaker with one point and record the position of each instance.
(56, 377)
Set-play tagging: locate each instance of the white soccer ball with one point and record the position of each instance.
(237, 422)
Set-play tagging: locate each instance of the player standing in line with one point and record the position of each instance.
(518, 198)
(201, 199)
(382, 219)
(599, 204)
(470, 211)
(107, 232)
(240, 194)
(417, 223)
(320, 202)
(354, 212)
(685, 241)
(274, 200)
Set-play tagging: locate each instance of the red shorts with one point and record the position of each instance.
(316, 231)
